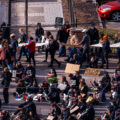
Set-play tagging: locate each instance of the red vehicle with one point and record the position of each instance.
(110, 10)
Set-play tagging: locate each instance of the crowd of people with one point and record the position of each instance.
(69, 99)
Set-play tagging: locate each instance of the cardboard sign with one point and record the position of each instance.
(92, 72)
(72, 68)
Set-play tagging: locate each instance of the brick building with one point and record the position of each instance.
(83, 10)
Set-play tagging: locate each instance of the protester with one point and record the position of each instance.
(86, 46)
(118, 49)
(6, 83)
(32, 50)
(9, 56)
(94, 34)
(2, 55)
(14, 46)
(23, 39)
(62, 36)
(52, 49)
(39, 32)
(105, 52)
(73, 41)
(47, 35)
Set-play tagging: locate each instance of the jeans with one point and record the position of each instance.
(46, 54)
(23, 50)
(72, 51)
(105, 59)
(52, 53)
(32, 56)
(6, 95)
(14, 54)
(62, 51)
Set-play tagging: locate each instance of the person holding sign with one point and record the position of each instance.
(105, 52)
(86, 46)
(73, 41)
(32, 50)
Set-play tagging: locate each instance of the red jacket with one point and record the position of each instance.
(2, 54)
(31, 46)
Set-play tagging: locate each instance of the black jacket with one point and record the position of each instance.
(29, 106)
(94, 35)
(39, 32)
(106, 47)
(65, 114)
(62, 36)
(30, 70)
(56, 112)
(88, 114)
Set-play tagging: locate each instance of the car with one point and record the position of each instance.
(110, 10)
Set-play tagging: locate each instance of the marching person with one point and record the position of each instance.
(31, 46)
(105, 52)
(52, 49)
(14, 45)
(9, 56)
(62, 36)
(39, 32)
(47, 34)
(6, 83)
(23, 40)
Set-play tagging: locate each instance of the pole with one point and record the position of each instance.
(71, 11)
(26, 15)
(9, 13)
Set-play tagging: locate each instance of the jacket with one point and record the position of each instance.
(65, 114)
(88, 114)
(31, 46)
(106, 47)
(62, 36)
(2, 54)
(6, 79)
(94, 35)
(85, 41)
(30, 70)
(39, 32)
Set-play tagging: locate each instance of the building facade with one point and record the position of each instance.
(45, 11)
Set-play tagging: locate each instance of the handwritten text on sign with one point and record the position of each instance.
(72, 68)
(92, 72)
